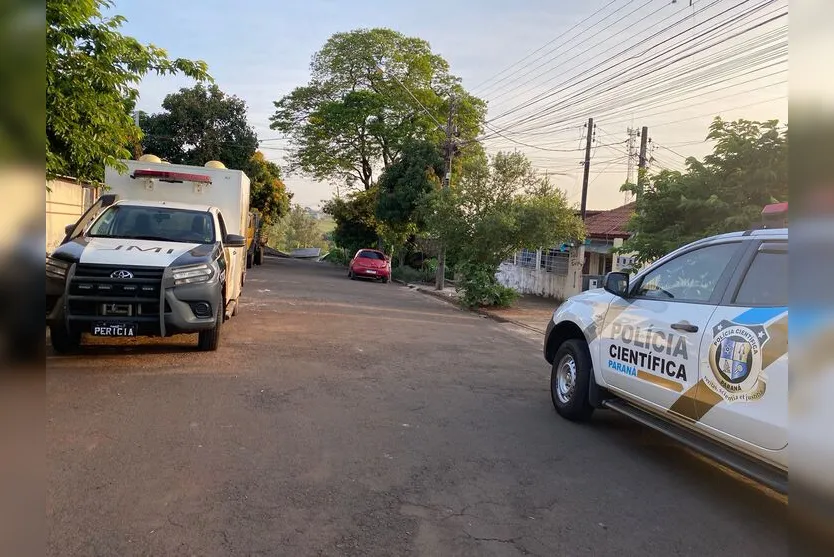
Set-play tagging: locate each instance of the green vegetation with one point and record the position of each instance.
(355, 114)
(725, 192)
(499, 206)
(92, 75)
(297, 229)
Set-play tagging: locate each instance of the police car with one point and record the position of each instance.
(695, 346)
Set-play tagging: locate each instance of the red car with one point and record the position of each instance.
(370, 263)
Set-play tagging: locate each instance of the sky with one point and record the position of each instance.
(260, 50)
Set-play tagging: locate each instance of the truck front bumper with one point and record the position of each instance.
(150, 302)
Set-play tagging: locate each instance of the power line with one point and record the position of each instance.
(573, 97)
(478, 86)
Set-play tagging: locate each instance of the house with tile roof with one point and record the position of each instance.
(565, 270)
(606, 230)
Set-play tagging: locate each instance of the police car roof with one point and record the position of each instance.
(166, 204)
(761, 233)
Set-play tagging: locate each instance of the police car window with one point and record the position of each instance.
(691, 277)
(766, 281)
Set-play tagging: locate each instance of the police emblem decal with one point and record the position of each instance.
(735, 358)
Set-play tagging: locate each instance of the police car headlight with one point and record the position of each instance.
(56, 268)
(191, 274)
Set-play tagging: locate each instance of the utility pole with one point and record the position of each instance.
(641, 167)
(632, 156)
(587, 171)
(449, 151)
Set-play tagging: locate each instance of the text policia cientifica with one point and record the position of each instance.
(661, 352)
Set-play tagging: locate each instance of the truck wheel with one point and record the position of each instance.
(570, 380)
(250, 257)
(210, 340)
(63, 341)
(259, 256)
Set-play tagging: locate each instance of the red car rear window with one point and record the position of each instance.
(371, 254)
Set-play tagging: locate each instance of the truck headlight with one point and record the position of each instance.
(56, 268)
(191, 274)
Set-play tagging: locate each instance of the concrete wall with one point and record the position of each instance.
(64, 205)
(537, 281)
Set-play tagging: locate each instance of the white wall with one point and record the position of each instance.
(536, 281)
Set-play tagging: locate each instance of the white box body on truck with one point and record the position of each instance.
(161, 253)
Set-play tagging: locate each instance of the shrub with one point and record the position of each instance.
(337, 256)
(479, 288)
(407, 274)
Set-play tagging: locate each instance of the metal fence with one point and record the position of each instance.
(553, 260)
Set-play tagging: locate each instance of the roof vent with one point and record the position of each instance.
(150, 158)
(215, 164)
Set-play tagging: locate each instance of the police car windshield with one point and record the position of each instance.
(154, 223)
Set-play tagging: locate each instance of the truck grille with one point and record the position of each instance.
(95, 291)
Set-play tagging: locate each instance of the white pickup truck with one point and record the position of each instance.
(162, 253)
(695, 346)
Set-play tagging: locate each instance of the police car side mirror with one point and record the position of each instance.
(616, 283)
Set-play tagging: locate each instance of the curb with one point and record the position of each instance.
(480, 311)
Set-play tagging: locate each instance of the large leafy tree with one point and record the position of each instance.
(355, 115)
(498, 206)
(355, 218)
(200, 124)
(403, 188)
(92, 74)
(269, 195)
(747, 170)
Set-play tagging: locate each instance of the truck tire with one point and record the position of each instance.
(209, 340)
(259, 255)
(250, 257)
(63, 341)
(570, 380)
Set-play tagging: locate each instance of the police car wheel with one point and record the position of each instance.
(570, 379)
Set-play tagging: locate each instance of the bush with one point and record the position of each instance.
(479, 288)
(407, 274)
(337, 256)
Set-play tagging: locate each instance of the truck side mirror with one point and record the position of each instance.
(69, 228)
(616, 283)
(234, 241)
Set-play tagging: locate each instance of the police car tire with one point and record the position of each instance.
(249, 258)
(259, 256)
(578, 408)
(63, 341)
(209, 340)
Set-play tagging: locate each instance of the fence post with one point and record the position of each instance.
(538, 259)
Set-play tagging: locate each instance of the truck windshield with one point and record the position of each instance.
(154, 223)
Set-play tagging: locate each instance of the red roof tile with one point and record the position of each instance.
(609, 224)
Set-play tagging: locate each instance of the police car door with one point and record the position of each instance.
(651, 340)
(743, 392)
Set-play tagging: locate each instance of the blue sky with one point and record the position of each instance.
(259, 50)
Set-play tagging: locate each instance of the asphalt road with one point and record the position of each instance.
(354, 418)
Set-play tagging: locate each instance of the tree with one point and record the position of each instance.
(357, 112)
(92, 73)
(403, 188)
(356, 224)
(268, 195)
(499, 206)
(725, 192)
(198, 125)
(297, 229)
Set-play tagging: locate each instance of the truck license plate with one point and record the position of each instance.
(114, 329)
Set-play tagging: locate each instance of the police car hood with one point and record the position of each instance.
(142, 253)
